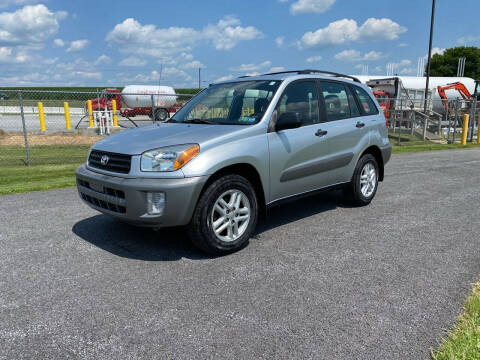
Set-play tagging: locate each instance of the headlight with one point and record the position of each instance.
(169, 158)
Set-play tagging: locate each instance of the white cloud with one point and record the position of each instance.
(468, 39)
(255, 73)
(224, 78)
(29, 26)
(311, 6)
(103, 59)
(172, 72)
(355, 55)
(77, 45)
(195, 64)
(132, 61)
(313, 59)
(408, 71)
(276, 69)
(7, 3)
(10, 55)
(96, 75)
(438, 51)
(346, 30)
(58, 43)
(280, 41)
(252, 67)
(402, 45)
(134, 38)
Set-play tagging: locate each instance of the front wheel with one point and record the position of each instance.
(225, 216)
(364, 184)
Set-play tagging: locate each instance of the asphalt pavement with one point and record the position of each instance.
(320, 280)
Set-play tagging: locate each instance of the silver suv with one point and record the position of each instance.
(237, 148)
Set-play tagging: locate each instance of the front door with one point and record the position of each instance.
(297, 156)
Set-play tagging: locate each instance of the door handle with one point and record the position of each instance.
(321, 132)
(360, 124)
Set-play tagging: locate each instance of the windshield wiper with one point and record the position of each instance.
(199, 121)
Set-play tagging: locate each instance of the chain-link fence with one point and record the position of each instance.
(435, 120)
(58, 127)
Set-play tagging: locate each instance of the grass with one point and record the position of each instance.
(53, 166)
(412, 143)
(463, 341)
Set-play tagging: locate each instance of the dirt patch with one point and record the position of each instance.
(17, 139)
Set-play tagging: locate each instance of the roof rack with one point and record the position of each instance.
(309, 71)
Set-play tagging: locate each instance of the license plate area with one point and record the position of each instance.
(96, 187)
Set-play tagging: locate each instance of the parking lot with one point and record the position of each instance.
(319, 280)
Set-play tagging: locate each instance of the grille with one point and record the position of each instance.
(105, 198)
(118, 163)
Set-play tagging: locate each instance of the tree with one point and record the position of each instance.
(446, 64)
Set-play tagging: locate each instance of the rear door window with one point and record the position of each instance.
(366, 101)
(337, 104)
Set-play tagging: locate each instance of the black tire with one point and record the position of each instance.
(200, 230)
(161, 115)
(353, 190)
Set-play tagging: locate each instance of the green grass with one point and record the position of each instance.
(52, 167)
(463, 341)
(412, 143)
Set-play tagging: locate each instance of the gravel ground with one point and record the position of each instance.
(319, 280)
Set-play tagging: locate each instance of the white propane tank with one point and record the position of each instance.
(139, 96)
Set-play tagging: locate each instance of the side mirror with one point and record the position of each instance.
(288, 120)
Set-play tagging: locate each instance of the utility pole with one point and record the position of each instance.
(199, 82)
(432, 21)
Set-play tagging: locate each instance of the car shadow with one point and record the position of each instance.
(171, 244)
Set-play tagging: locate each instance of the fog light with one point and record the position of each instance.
(155, 203)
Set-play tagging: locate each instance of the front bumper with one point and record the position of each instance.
(126, 198)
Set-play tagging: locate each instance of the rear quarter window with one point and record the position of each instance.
(366, 102)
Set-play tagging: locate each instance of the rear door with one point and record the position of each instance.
(346, 128)
(297, 155)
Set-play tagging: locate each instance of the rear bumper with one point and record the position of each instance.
(126, 198)
(386, 153)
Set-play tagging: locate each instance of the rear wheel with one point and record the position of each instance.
(225, 216)
(161, 115)
(364, 184)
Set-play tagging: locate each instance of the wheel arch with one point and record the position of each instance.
(249, 172)
(377, 154)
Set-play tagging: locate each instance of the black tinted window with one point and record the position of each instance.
(336, 100)
(301, 97)
(366, 101)
(354, 110)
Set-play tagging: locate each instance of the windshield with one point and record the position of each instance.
(235, 103)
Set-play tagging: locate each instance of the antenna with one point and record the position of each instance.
(160, 76)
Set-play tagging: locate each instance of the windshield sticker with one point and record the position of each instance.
(272, 83)
(247, 119)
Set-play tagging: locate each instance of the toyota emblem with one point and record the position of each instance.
(104, 160)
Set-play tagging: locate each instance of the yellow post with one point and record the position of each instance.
(478, 131)
(465, 128)
(90, 113)
(41, 116)
(67, 115)
(114, 111)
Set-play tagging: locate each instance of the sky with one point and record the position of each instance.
(115, 43)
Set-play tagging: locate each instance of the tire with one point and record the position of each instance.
(161, 115)
(207, 216)
(360, 191)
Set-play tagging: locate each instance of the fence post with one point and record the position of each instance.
(67, 115)
(90, 114)
(153, 109)
(41, 116)
(25, 137)
(455, 122)
(114, 112)
(474, 111)
(465, 129)
(400, 125)
(478, 129)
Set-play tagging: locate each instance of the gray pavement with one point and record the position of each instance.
(320, 280)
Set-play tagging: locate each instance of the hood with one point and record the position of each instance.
(138, 140)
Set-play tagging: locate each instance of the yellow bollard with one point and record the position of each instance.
(114, 111)
(465, 128)
(41, 116)
(67, 115)
(90, 113)
(478, 131)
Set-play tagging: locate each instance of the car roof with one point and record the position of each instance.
(294, 75)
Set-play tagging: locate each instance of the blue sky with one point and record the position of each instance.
(53, 42)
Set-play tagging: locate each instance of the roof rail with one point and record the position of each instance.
(309, 71)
